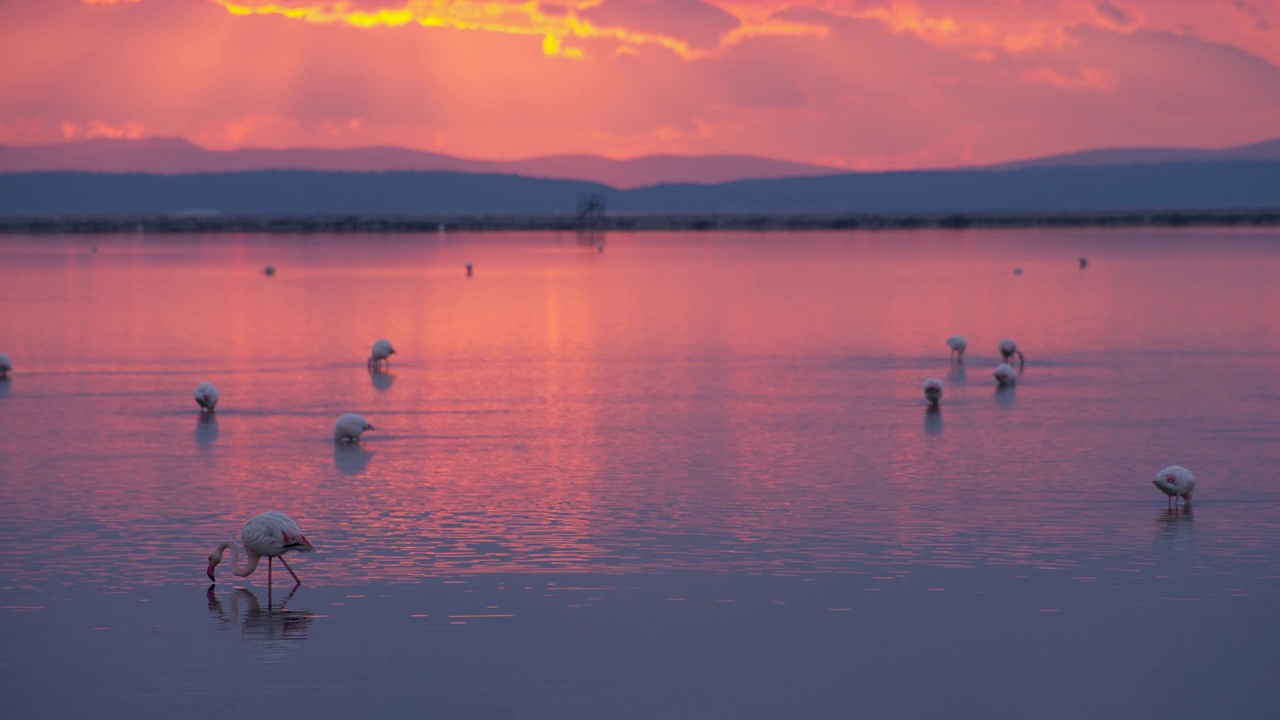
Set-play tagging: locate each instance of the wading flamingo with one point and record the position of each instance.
(958, 345)
(933, 390)
(269, 535)
(206, 396)
(1176, 482)
(6, 365)
(1008, 349)
(1005, 375)
(382, 352)
(349, 427)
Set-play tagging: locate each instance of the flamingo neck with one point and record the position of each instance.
(251, 559)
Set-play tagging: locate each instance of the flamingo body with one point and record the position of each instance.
(1005, 375)
(1176, 482)
(349, 428)
(206, 396)
(1009, 348)
(958, 345)
(933, 390)
(381, 353)
(269, 270)
(269, 535)
(6, 365)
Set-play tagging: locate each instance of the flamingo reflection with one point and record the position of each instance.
(1175, 531)
(206, 430)
(1005, 395)
(274, 627)
(381, 379)
(933, 420)
(350, 458)
(1169, 518)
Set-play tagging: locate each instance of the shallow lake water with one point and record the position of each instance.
(672, 476)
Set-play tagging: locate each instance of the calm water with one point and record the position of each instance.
(690, 476)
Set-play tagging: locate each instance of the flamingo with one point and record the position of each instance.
(958, 345)
(1176, 482)
(1017, 270)
(1008, 349)
(1005, 375)
(5, 365)
(382, 352)
(469, 268)
(1084, 262)
(269, 270)
(206, 396)
(349, 427)
(933, 391)
(269, 535)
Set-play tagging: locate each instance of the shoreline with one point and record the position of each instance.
(337, 224)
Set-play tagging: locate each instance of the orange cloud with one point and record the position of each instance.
(514, 18)
(1089, 78)
(100, 129)
(869, 84)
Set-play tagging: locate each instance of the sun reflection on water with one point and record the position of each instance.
(742, 404)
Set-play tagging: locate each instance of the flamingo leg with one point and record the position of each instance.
(291, 572)
(268, 574)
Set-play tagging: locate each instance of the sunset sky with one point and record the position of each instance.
(862, 84)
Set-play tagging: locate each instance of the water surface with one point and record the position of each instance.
(689, 475)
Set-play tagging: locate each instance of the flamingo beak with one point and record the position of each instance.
(372, 427)
(210, 573)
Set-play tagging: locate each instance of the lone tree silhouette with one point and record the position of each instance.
(590, 210)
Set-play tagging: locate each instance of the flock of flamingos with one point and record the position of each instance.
(272, 534)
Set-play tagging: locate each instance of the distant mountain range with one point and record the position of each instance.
(1269, 150)
(172, 156)
(1197, 185)
(168, 156)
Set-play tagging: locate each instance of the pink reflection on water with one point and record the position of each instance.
(718, 402)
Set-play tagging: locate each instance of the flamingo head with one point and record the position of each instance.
(1004, 374)
(215, 558)
(933, 390)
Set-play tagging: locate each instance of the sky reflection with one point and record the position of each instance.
(710, 402)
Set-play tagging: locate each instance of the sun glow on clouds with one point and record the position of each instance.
(869, 84)
(1089, 78)
(526, 18)
(100, 129)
